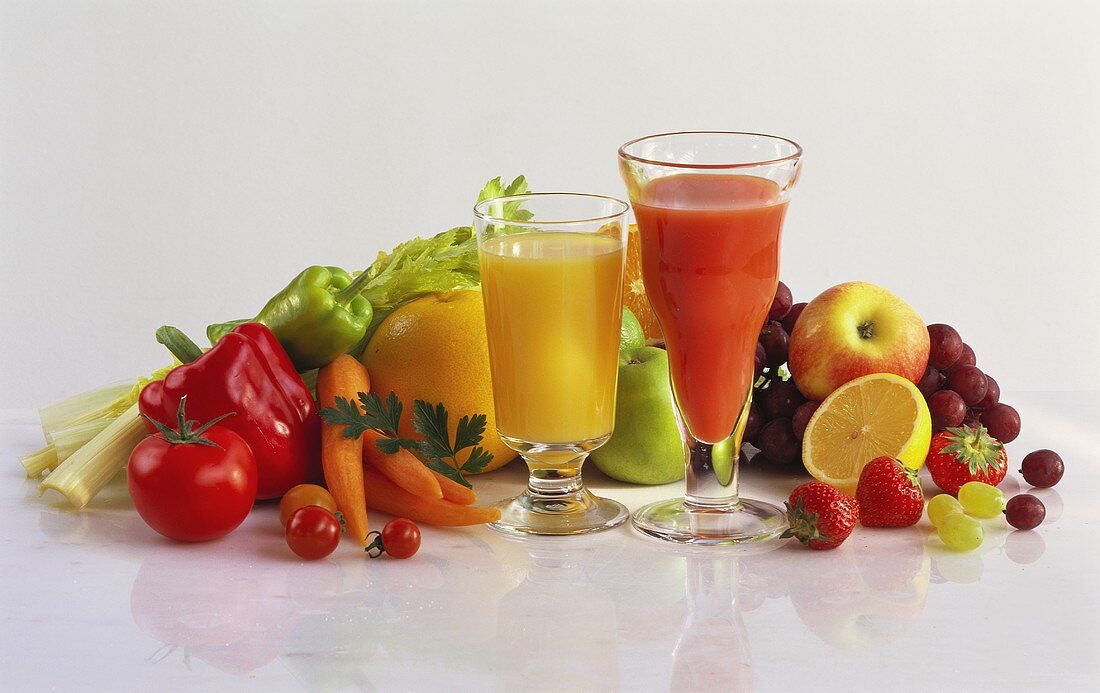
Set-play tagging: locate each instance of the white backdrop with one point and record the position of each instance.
(177, 162)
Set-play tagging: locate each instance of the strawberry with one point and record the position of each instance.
(821, 517)
(889, 494)
(959, 455)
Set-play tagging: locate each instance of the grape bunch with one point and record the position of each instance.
(779, 413)
(961, 394)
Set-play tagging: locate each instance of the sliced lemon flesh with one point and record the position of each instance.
(878, 414)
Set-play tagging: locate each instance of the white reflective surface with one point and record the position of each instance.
(96, 601)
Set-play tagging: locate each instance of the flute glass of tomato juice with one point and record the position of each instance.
(710, 208)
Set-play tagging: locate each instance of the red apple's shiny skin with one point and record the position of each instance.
(855, 329)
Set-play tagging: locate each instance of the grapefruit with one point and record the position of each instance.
(435, 349)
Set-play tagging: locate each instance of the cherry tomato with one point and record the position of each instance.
(400, 538)
(302, 495)
(193, 492)
(312, 532)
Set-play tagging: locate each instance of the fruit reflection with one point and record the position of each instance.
(1024, 547)
(235, 618)
(966, 567)
(351, 612)
(861, 596)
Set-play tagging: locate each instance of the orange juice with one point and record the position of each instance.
(710, 261)
(553, 307)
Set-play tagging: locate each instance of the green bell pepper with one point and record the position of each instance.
(317, 317)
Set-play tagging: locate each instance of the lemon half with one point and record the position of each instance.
(878, 414)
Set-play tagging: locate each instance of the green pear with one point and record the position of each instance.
(646, 447)
(631, 335)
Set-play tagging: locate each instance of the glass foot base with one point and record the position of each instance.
(675, 520)
(580, 513)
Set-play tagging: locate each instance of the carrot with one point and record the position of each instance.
(342, 458)
(454, 491)
(402, 468)
(382, 494)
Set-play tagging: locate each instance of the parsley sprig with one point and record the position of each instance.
(437, 450)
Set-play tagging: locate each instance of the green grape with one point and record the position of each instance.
(961, 532)
(941, 506)
(981, 500)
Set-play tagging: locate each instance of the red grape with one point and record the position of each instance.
(1002, 421)
(761, 360)
(972, 418)
(1025, 511)
(802, 417)
(1042, 468)
(992, 393)
(932, 381)
(761, 460)
(968, 358)
(753, 423)
(780, 400)
(969, 382)
(781, 304)
(945, 346)
(947, 409)
(791, 317)
(778, 443)
(775, 341)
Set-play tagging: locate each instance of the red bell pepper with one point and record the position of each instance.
(247, 372)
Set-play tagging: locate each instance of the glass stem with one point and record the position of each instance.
(560, 480)
(712, 469)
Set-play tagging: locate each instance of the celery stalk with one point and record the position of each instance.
(82, 408)
(75, 421)
(68, 440)
(67, 437)
(90, 468)
(40, 460)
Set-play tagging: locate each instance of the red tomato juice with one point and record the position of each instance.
(710, 261)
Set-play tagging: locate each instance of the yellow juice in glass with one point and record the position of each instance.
(553, 307)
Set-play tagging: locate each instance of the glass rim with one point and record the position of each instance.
(481, 209)
(623, 154)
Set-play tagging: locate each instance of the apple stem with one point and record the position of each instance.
(866, 329)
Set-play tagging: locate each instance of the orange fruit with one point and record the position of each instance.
(435, 349)
(634, 296)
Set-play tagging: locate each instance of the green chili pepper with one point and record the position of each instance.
(317, 317)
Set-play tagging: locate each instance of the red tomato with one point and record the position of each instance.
(302, 495)
(312, 532)
(192, 492)
(400, 538)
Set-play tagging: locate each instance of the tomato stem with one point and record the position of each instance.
(186, 434)
(375, 545)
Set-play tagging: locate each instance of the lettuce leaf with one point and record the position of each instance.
(494, 189)
(444, 262)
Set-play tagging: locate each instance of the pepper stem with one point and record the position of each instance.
(353, 289)
(178, 343)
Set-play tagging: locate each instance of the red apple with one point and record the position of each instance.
(855, 329)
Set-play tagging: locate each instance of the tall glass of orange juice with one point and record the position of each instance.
(710, 209)
(551, 278)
